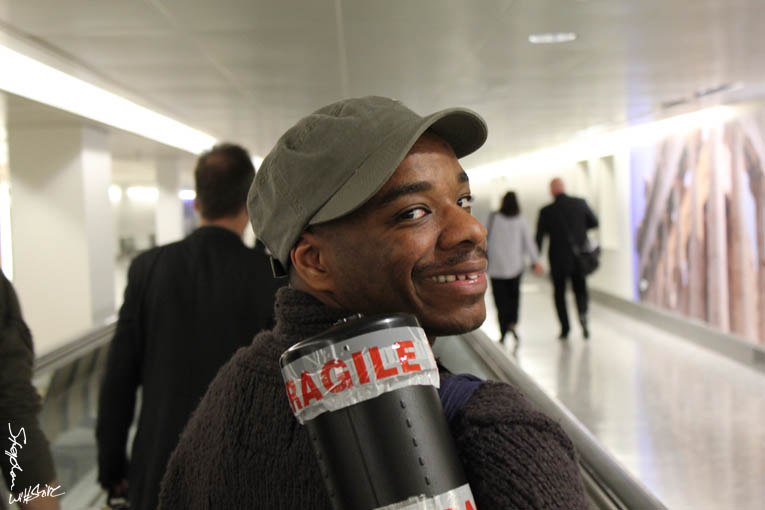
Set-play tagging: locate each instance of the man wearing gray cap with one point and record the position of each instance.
(365, 207)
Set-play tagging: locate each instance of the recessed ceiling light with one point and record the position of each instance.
(552, 38)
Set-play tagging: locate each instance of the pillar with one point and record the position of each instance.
(62, 229)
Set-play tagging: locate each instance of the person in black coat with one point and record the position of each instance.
(566, 222)
(27, 461)
(188, 307)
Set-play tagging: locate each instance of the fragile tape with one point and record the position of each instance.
(460, 498)
(359, 369)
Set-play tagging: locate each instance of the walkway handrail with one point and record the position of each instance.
(76, 347)
(617, 484)
(730, 345)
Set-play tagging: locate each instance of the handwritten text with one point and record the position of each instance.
(13, 453)
(18, 440)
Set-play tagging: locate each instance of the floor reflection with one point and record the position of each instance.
(685, 421)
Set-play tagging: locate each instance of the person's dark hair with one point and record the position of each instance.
(510, 205)
(223, 176)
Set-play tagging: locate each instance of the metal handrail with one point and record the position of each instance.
(611, 481)
(77, 347)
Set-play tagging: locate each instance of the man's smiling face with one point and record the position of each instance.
(414, 246)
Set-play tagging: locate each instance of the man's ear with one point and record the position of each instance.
(309, 260)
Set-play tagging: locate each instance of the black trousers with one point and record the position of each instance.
(507, 298)
(579, 284)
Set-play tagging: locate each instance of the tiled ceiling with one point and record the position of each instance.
(245, 70)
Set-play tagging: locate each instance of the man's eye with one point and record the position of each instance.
(465, 201)
(414, 214)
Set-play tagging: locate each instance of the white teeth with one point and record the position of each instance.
(453, 277)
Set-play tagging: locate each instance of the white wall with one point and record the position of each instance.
(132, 218)
(135, 219)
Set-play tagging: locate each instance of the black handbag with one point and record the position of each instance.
(587, 258)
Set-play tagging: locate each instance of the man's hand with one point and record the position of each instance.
(117, 497)
(538, 270)
(119, 489)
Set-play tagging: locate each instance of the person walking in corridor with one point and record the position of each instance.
(566, 222)
(188, 307)
(510, 244)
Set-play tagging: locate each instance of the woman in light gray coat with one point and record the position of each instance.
(509, 244)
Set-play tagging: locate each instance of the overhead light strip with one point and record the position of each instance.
(29, 78)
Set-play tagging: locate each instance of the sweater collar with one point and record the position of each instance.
(301, 315)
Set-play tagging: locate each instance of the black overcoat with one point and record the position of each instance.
(188, 307)
(566, 220)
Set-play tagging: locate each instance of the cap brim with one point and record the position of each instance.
(462, 128)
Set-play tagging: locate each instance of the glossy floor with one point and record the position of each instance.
(687, 422)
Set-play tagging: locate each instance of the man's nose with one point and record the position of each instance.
(461, 228)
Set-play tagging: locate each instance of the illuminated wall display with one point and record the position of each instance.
(698, 207)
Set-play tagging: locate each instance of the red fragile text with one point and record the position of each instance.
(337, 376)
(469, 505)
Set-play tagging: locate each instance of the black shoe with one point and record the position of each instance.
(585, 331)
(563, 335)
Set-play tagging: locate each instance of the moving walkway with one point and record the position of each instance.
(69, 379)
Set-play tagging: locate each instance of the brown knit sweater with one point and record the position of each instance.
(244, 449)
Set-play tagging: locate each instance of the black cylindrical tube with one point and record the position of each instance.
(366, 392)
